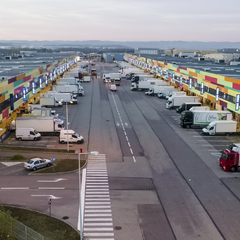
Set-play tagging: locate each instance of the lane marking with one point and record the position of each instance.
(134, 159)
(98, 219)
(51, 188)
(56, 180)
(131, 151)
(14, 188)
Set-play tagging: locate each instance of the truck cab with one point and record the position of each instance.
(229, 160)
(186, 119)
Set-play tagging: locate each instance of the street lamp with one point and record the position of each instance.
(80, 228)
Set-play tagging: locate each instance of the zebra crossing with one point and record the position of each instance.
(98, 223)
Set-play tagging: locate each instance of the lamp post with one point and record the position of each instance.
(80, 190)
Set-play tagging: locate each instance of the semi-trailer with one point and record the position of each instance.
(64, 97)
(187, 106)
(176, 101)
(144, 85)
(220, 127)
(69, 89)
(175, 93)
(200, 119)
(50, 102)
(43, 125)
(165, 90)
(157, 88)
(138, 78)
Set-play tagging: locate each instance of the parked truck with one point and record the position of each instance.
(85, 79)
(71, 81)
(139, 78)
(220, 127)
(64, 97)
(165, 90)
(69, 89)
(187, 106)
(48, 112)
(230, 158)
(200, 119)
(144, 85)
(43, 125)
(173, 93)
(176, 101)
(50, 102)
(152, 91)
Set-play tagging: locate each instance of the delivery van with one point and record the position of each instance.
(27, 134)
(70, 136)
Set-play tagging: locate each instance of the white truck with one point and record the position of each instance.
(166, 90)
(69, 88)
(201, 108)
(176, 101)
(175, 93)
(220, 127)
(85, 79)
(152, 91)
(43, 125)
(70, 136)
(30, 107)
(106, 78)
(138, 78)
(47, 112)
(200, 119)
(50, 102)
(144, 85)
(71, 81)
(64, 97)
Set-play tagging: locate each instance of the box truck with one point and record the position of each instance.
(69, 88)
(165, 90)
(144, 85)
(201, 119)
(201, 108)
(47, 112)
(175, 93)
(44, 125)
(64, 97)
(176, 101)
(152, 91)
(220, 127)
(230, 158)
(50, 102)
(70, 136)
(85, 79)
(27, 134)
(141, 78)
(71, 81)
(187, 106)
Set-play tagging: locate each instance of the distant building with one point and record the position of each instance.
(222, 57)
(229, 50)
(149, 51)
(110, 57)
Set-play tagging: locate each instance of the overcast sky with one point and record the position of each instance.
(125, 20)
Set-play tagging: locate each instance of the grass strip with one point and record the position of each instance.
(51, 228)
(35, 149)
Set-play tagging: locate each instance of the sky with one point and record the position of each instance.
(125, 20)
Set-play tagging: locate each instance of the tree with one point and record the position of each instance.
(6, 225)
(102, 59)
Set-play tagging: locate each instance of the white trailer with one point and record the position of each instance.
(166, 90)
(200, 108)
(69, 89)
(50, 102)
(200, 119)
(155, 89)
(175, 93)
(71, 81)
(85, 79)
(44, 125)
(220, 127)
(176, 101)
(30, 107)
(64, 97)
(144, 85)
(45, 112)
(137, 78)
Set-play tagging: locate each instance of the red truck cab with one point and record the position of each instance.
(229, 160)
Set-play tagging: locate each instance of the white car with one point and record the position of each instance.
(35, 163)
(113, 87)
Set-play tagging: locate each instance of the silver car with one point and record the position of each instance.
(36, 163)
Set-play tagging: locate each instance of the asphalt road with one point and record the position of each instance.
(164, 181)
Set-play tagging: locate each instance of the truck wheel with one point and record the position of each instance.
(189, 126)
(233, 169)
(19, 139)
(62, 142)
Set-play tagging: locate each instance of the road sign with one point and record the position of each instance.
(53, 159)
(50, 201)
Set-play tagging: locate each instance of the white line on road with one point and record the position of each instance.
(98, 215)
(131, 151)
(95, 206)
(51, 188)
(98, 224)
(99, 199)
(134, 159)
(49, 196)
(56, 180)
(98, 234)
(98, 219)
(14, 188)
(129, 144)
(98, 211)
(98, 229)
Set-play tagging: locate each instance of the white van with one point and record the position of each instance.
(106, 78)
(70, 136)
(27, 134)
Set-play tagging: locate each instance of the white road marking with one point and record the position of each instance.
(98, 229)
(131, 151)
(9, 164)
(51, 188)
(99, 199)
(134, 159)
(57, 180)
(97, 224)
(98, 215)
(98, 219)
(49, 196)
(98, 211)
(98, 234)
(129, 144)
(95, 206)
(14, 188)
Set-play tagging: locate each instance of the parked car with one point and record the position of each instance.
(36, 163)
(113, 87)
